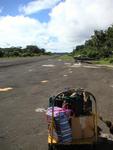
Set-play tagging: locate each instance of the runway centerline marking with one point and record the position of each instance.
(5, 89)
(49, 65)
(59, 60)
(93, 67)
(76, 65)
(70, 69)
(65, 75)
(30, 70)
(44, 81)
(111, 86)
(67, 63)
(40, 110)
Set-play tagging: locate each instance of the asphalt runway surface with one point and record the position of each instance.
(25, 87)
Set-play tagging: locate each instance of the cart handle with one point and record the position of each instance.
(74, 90)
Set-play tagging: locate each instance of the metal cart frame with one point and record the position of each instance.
(51, 141)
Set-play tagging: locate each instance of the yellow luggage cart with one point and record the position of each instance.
(83, 125)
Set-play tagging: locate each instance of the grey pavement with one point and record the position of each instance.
(25, 87)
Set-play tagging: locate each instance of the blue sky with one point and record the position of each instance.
(10, 7)
(42, 16)
(56, 25)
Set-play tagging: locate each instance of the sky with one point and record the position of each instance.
(56, 25)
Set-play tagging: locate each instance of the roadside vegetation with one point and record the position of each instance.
(30, 50)
(105, 61)
(66, 57)
(98, 47)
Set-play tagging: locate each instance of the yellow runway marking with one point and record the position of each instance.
(5, 89)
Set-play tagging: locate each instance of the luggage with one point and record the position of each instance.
(61, 126)
(85, 126)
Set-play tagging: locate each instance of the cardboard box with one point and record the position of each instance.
(82, 127)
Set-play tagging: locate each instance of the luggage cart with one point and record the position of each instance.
(83, 124)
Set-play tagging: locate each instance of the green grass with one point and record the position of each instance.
(105, 61)
(66, 57)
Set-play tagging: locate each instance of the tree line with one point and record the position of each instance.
(100, 45)
(30, 50)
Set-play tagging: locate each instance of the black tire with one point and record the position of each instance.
(49, 147)
(52, 147)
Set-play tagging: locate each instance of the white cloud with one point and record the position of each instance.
(71, 23)
(21, 31)
(37, 5)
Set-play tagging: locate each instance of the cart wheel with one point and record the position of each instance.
(49, 147)
(52, 147)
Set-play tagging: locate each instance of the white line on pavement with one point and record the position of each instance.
(65, 75)
(40, 110)
(76, 65)
(95, 67)
(111, 86)
(44, 81)
(49, 65)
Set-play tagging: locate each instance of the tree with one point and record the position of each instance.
(33, 49)
(100, 44)
(30, 50)
(1, 53)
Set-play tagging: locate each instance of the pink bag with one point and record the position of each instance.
(57, 111)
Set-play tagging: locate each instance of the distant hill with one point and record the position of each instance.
(60, 53)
